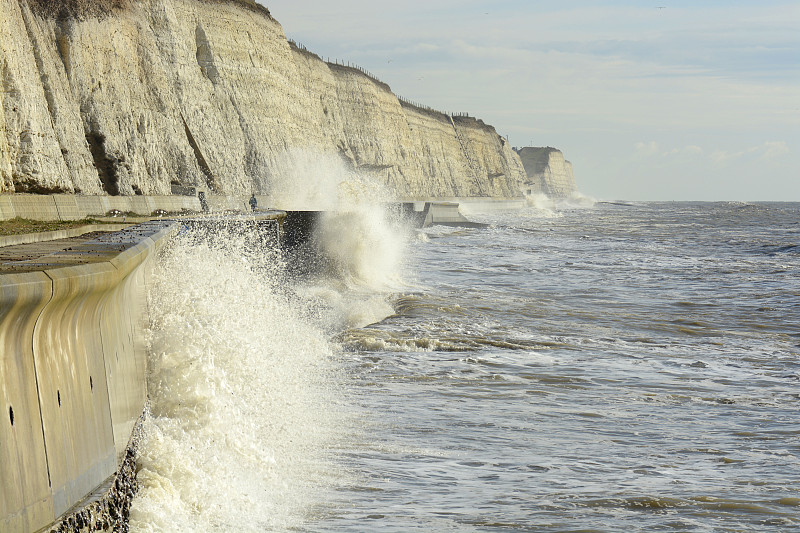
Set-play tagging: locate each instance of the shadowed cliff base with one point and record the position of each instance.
(29, 185)
(106, 165)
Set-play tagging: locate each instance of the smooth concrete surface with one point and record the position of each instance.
(30, 206)
(72, 367)
(67, 207)
(476, 203)
(25, 497)
(77, 207)
(73, 392)
(455, 211)
(448, 214)
(443, 212)
(489, 205)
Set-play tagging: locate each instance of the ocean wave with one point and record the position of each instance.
(242, 398)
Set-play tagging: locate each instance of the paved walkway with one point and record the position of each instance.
(94, 247)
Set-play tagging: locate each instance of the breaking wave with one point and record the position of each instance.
(243, 394)
(246, 392)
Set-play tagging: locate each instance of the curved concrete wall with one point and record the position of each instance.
(72, 379)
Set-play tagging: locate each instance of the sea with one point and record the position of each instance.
(570, 366)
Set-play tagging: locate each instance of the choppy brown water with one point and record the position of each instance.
(601, 369)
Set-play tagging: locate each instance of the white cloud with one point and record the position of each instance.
(723, 156)
(647, 148)
(774, 149)
(767, 150)
(693, 150)
(686, 150)
(652, 149)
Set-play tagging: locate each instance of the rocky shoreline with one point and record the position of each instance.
(109, 509)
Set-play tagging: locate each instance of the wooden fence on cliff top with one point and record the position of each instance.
(370, 75)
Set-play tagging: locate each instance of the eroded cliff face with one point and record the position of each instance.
(167, 94)
(547, 171)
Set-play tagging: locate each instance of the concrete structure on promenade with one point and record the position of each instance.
(77, 207)
(73, 365)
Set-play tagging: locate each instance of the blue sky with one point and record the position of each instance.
(691, 101)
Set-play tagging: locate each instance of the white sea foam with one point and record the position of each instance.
(542, 206)
(365, 245)
(363, 241)
(579, 200)
(362, 238)
(313, 181)
(541, 202)
(243, 398)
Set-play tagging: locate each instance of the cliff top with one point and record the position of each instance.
(543, 150)
(82, 9)
(355, 69)
(535, 158)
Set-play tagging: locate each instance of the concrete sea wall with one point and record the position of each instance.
(72, 372)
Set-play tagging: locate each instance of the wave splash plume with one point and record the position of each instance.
(243, 397)
(362, 240)
(246, 387)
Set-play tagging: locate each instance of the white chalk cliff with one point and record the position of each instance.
(159, 95)
(547, 172)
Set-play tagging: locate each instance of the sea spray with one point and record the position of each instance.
(545, 205)
(541, 202)
(243, 397)
(246, 395)
(364, 244)
(312, 181)
(579, 200)
(364, 255)
(359, 238)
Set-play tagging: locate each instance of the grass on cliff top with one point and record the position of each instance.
(80, 9)
(83, 9)
(19, 226)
